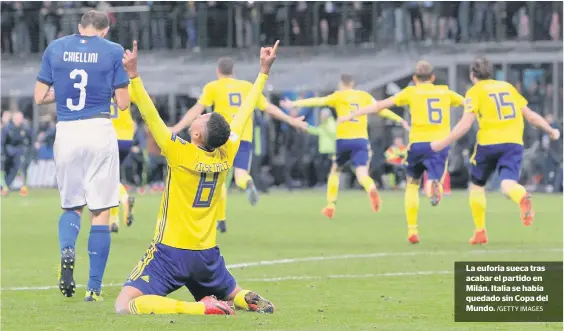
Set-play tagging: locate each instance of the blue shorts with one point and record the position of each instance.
(243, 157)
(165, 269)
(355, 151)
(421, 157)
(124, 147)
(506, 158)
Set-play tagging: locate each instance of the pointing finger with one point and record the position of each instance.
(135, 47)
(275, 47)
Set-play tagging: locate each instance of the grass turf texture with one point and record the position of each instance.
(368, 292)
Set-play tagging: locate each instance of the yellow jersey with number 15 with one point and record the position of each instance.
(429, 106)
(122, 121)
(227, 95)
(499, 109)
(187, 216)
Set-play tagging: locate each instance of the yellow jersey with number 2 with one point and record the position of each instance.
(187, 216)
(499, 109)
(227, 95)
(429, 106)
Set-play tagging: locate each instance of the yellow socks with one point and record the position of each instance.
(411, 207)
(240, 301)
(154, 304)
(242, 181)
(123, 197)
(332, 188)
(114, 215)
(516, 193)
(222, 204)
(367, 183)
(478, 207)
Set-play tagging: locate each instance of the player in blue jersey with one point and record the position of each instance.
(85, 71)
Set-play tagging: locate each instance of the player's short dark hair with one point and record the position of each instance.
(225, 66)
(99, 20)
(423, 71)
(481, 68)
(347, 79)
(218, 131)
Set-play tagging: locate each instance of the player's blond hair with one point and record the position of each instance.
(423, 71)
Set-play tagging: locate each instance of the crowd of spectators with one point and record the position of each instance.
(28, 26)
(282, 156)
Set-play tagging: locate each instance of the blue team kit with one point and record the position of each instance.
(506, 158)
(354, 151)
(165, 269)
(85, 72)
(421, 158)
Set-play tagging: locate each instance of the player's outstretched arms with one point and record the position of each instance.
(457, 132)
(267, 57)
(539, 122)
(148, 111)
(188, 118)
(296, 122)
(373, 108)
(310, 102)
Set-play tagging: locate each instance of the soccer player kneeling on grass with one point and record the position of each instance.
(183, 251)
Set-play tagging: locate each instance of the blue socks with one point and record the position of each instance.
(69, 227)
(98, 251)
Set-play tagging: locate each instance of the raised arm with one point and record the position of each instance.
(267, 57)
(297, 122)
(189, 117)
(150, 115)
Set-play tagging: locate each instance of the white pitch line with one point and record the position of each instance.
(327, 258)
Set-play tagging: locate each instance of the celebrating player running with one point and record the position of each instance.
(183, 251)
(85, 70)
(500, 109)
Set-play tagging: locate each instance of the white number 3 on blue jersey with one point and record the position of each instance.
(81, 86)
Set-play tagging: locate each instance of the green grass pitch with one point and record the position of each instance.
(355, 272)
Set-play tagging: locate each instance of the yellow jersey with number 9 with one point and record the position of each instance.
(429, 106)
(345, 102)
(499, 109)
(122, 121)
(227, 95)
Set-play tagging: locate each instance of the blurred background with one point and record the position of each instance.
(377, 42)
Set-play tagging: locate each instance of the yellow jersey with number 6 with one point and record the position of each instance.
(499, 109)
(429, 106)
(122, 121)
(227, 95)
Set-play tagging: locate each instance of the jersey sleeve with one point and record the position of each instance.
(456, 100)
(316, 102)
(206, 99)
(520, 100)
(45, 75)
(471, 101)
(160, 132)
(402, 97)
(121, 79)
(262, 102)
(248, 107)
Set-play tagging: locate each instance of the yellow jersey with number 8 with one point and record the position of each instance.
(499, 109)
(227, 95)
(429, 106)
